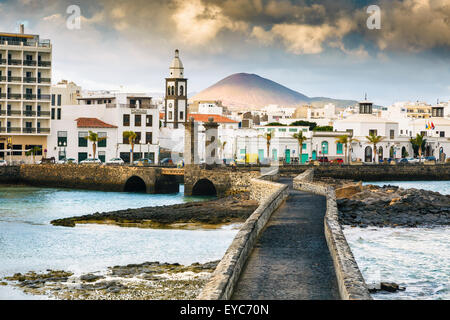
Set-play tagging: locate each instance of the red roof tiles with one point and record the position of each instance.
(92, 123)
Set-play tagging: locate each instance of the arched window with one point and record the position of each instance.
(368, 154)
(173, 90)
(181, 91)
(324, 147)
(168, 91)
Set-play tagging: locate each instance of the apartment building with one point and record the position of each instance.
(25, 80)
(108, 114)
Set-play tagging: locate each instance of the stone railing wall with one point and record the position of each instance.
(222, 283)
(350, 280)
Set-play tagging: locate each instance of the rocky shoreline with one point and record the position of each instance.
(204, 214)
(146, 281)
(391, 206)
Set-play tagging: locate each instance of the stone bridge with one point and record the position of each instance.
(95, 177)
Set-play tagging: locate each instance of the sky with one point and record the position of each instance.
(318, 48)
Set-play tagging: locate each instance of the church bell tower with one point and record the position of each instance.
(175, 101)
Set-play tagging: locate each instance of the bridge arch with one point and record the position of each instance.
(135, 184)
(204, 187)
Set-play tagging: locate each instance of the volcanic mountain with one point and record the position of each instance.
(243, 92)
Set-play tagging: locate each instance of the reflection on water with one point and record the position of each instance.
(29, 242)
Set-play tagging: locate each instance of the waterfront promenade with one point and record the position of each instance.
(291, 259)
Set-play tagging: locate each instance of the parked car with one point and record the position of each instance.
(323, 159)
(116, 161)
(66, 161)
(3, 163)
(432, 158)
(166, 161)
(338, 160)
(143, 161)
(403, 160)
(91, 161)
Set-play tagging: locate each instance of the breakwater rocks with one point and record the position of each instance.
(235, 208)
(391, 206)
(146, 281)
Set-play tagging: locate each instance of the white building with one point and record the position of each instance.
(366, 123)
(110, 116)
(25, 79)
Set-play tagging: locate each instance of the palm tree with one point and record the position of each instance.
(131, 136)
(94, 138)
(300, 138)
(268, 137)
(372, 138)
(419, 142)
(33, 151)
(345, 141)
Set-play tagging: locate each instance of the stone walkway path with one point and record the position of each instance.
(291, 260)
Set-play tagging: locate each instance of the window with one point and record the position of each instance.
(170, 115)
(181, 115)
(149, 120)
(442, 134)
(58, 114)
(53, 99)
(137, 120)
(282, 130)
(181, 90)
(82, 156)
(102, 142)
(102, 156)
(53, 113)
(138, 137)
(339, 148)
(391, 134)
(59, 100)
(62, 138)
(149, 137)
(304, 146)
(324, 147)
(373, 132)
(82, 141)
(292, 130)
(17, 147)
(126, 120)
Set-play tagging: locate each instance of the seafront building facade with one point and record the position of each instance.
(108, 115)
(25, 80)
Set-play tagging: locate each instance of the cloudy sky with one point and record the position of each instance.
(319, 48)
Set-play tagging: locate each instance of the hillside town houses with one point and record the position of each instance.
(54, 121)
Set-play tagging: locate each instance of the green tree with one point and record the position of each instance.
(301, 139)
(303, 123)
(323, 128)
(275, 124)
(345, 140)
(94, 138)
(372, 138)
(131, 136)
(33, 151)
(418, 144)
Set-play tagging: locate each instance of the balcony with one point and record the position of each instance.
(13, 130)
(43, 80)
(2, 95)
(29, 80)
(14, 79)
(29, 96)
(29, 130)
(14, 62)
(29, 113)
(31, 63)
(43, 130)
(14, 96)
(2, 78)
(43, 113)
(2, 112)
(2, 61)
(2, 129)
(43, 97)
(13, 113)
(44, 63)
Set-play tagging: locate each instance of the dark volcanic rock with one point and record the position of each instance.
(234, 208)
(393, 206)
